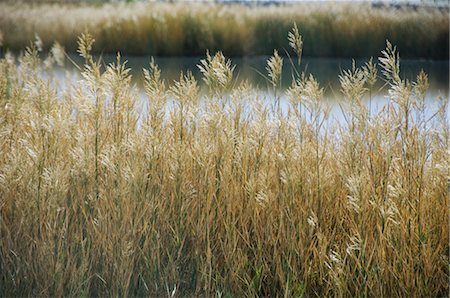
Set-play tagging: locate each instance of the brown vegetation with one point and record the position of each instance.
(218, 194)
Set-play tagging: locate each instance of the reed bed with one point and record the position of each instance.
(329, 30)
(221, 194)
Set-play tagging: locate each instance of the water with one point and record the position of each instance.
(325, 70)
(253, 69)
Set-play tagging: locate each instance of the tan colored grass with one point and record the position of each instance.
(218, 195)
(142, 28)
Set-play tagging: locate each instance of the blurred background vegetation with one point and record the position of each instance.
(238, 29)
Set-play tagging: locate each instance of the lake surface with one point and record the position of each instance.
(326, 71)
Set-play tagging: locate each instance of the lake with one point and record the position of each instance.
(326, 72)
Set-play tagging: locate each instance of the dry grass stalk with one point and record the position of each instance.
(194, 197)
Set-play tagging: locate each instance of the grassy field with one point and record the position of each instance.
(331, 30)
(219, 194)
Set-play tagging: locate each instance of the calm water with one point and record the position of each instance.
(326, 71)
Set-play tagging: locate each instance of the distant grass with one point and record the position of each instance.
(219, 194)
(329, 30)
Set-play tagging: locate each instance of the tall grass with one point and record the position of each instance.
(218, 194)
(329, 30)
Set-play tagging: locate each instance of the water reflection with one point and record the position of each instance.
(326, 72)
